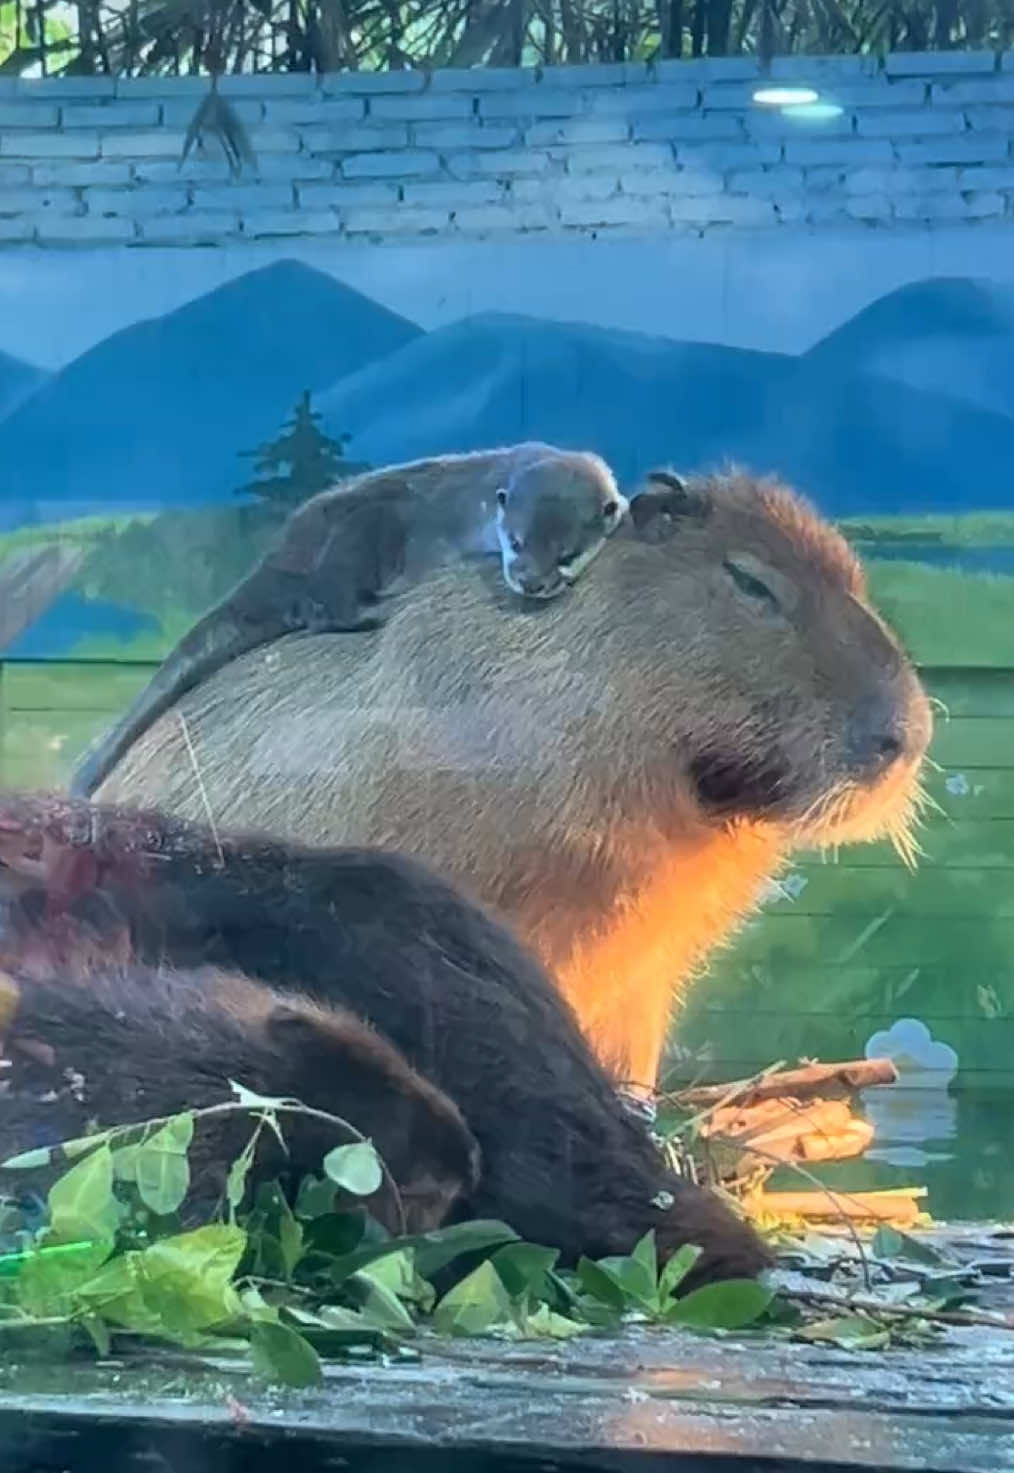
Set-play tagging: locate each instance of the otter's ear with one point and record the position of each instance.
(655, 511)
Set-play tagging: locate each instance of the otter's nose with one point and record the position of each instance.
(541, 585)
(875, 738)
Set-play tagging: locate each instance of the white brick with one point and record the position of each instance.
(243, 197)
(997, 89)
(535, 102)
(991, 119)
(1007, 61)
(949, 206)
(610, 74)
(14, 174)
(936, 63)
(135, 202)
(869, 207)
(39, 201)
(17, 228)
(161, 86)
(331, 196)
(479, 219)
(64, 86)
(634, 102)
(28, 115)
(823, 178)
(966, 148)
(724, 95)
(649, 182)
(195, 170)
(368, 83)
(398, 221)
(464, 192)
(354, 137)
(577, 130)
(707, 69)
(918, 123)
(161, 144)
(768, 123)
(179, 112)
(879, 93)
(464, 135)
(726, 156)
(497, 162)
(273, 140)
(623, 156)
(295, 110)
(853, 151)
(901, 181)
(481, 79)
(453, 105)
(1002, 178)
(69, 175)
(111, 115)
(82, 230)
(826, 211)
(694, 182)
(193, 228)
(790, 211)
(290, 222)
(49, 145)
(267, 84)
(293, 167)
(553, 188)
(767, 183)
(822, 71)
(689, 127)
(722, 209)
(621, 210)
(405, 162)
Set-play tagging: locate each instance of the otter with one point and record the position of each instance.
(382, 937)
(620, 776)
(347, 549)
(113, 1045)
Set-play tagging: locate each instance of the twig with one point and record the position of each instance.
(813, 1079)
(981, 1317)
(201, 788)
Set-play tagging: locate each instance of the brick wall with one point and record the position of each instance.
(675, 146)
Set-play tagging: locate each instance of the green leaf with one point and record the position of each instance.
(48, 1284)
(235, 1182)
(356, 1168)
(81, 1203)
(161, 1169)
(728, 1305)
(479, 1303)
(634, 1277)
(600, 1284)
(888, 1242)
(676, 1270)
(380, 1306)
(98, 1332)
(544, 1324)
(280, 1354)
(848, 1332)
(436, 1249)
(523, 1268)
(646, 1255)
(186, 1280)
(315, 1197)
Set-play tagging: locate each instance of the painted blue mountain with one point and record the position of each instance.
(157, 414)
(17, 380)
(950, 335)
(859, 444)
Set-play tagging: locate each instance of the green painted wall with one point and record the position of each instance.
(849, 942)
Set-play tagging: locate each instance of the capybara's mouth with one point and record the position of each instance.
(726, 786)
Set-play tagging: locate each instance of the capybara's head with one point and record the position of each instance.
(786, 696)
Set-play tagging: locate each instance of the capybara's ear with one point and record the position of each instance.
(667, 500)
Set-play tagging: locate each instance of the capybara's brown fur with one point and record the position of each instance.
(473, 1013)
(618, 771)
(115, 1045)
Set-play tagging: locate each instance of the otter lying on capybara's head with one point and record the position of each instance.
(619, 771)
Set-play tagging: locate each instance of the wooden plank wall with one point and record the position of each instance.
(846, 943)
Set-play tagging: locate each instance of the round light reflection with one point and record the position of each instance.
(814, 112)
(785, 96)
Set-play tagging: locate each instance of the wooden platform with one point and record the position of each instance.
(652, 1399)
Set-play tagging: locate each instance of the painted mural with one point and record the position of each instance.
(160, 415)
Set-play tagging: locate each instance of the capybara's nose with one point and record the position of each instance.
(876, 737)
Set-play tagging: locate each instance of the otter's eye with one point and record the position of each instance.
(609, 510)
(568, 557)
(750, 584)
(515, 544)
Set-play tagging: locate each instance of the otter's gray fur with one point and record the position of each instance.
(548, 511)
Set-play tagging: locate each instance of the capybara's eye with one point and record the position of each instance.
(749, 583)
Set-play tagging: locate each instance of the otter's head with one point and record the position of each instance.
(552, 519)
(789, 699)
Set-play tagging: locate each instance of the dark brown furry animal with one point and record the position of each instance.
(116, 1045)
(618, 772)
(344, 551)
(562, 1160)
